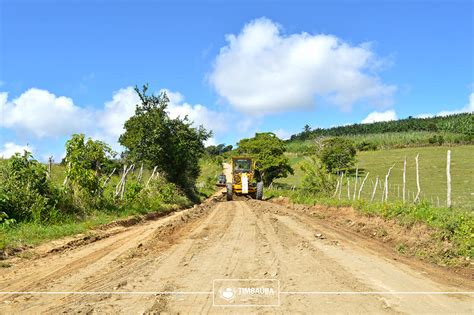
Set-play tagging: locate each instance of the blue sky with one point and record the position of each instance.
(236, 67)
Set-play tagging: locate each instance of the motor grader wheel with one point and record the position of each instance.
(229, 191)
(259, 194)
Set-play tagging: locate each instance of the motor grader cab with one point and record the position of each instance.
(246, 178)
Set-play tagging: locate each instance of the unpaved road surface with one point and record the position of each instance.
(169, 265)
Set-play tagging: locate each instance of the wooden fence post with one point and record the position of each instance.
(151, 177)
(404, 179)
(418, 189)
(119, 185)
(340, 188)
(448, 179)
(108, 178)
(386, 184)
(348, 188)
(140, 174)
(375, 188)
(50, 164)
(132, 167)
(355, 183)
(362, 185)
(337, 189)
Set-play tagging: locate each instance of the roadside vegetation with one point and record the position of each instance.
(165, 167)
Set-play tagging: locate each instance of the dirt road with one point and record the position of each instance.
(169, 265)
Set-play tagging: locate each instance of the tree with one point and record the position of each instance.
(218, 149)
(171, 144)
(337, 154)
(269, 150)
(85, 161)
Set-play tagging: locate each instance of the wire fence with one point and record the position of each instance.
(412, 179)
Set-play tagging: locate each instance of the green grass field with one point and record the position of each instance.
(432, 161)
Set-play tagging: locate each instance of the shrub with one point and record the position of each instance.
(25, 192)
(85, 161)
(436, 139)
(366, 146)
(317, 180)
(160, 192)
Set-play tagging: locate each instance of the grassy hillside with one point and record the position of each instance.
(459, 123)
(432, 173)
(390, 140)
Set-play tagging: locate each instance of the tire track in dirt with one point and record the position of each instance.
(304, 268)
(218, 259)
(69, 271)
(154, 272)
(240, 239)
(372, 271)
(132, 269)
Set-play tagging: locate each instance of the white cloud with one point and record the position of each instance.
(197, 113)
(123, 104)
(262, 71)
(117, 111)
(380, 116)
(282, 134)
(470, 105)
(210, 141)
(424, 116)
(10, 148)
(43, 114)
(40, 114)
(468, 108)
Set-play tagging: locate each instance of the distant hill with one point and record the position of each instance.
(458, 123)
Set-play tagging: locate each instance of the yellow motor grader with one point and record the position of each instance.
(246, 178)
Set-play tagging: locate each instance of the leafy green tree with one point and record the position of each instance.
(269, 150)
(172, 145)
(212, 150)
(317, 179)
(218, 149)
(337, 154)
(85, 161)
